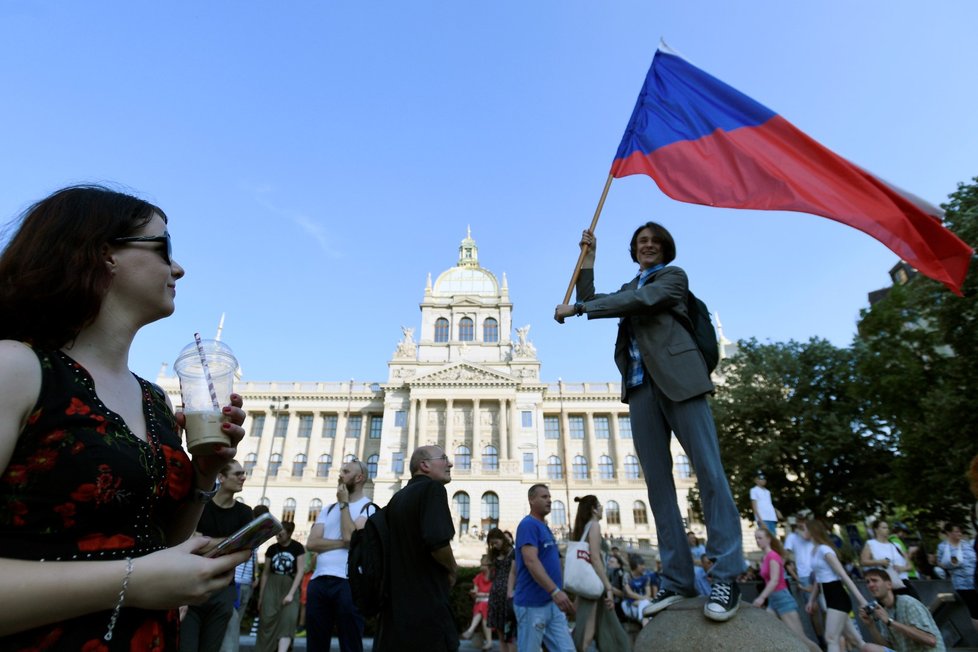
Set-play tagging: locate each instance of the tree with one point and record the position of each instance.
(793, 411)
(917, 349)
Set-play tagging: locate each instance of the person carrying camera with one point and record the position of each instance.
(897, 622)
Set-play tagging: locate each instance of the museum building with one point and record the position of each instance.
(462, 383)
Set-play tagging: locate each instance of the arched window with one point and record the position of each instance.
(441, 330)
(558, 513)
(466, 330)
(323, 466)
(490, 511)
(555, 469)
(274, 462)
(251, 459)
(490, 459)
(463, 458)
(372, 466)
(612, 513)
(349, 457)
(298, 465)
(315, 506)
(683, 469)
(288, 510)
(631, 467)
(460, 502)
(490, 330)
(605, 468)
(266, 501)
(580, 467)
(639, 513)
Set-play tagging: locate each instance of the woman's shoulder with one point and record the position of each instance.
(20, 376)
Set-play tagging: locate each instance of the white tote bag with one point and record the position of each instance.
(580, 577)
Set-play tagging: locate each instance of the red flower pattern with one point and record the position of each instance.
(16, 474)
(97, 541)
(77, 407)
(148, 638)
(67, 512)
(179, 472)
(42, 460)
(95, 645)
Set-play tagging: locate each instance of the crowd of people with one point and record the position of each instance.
(104, 517)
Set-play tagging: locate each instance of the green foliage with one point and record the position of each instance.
(917, 350)
(793, 411)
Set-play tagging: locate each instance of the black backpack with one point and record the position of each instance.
(367, 562)
(701, 328)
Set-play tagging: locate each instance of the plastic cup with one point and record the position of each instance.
(203, 414)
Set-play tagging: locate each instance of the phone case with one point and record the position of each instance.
(249, 537)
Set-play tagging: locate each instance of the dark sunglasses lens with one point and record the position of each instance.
(169, 250)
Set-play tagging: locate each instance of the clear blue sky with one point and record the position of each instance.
(318, 159)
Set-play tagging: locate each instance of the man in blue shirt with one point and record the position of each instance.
(539, 599)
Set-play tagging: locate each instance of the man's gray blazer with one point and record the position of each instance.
(652, 314)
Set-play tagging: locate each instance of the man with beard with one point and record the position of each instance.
(329, 600)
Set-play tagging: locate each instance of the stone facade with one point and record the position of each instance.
(465, 384)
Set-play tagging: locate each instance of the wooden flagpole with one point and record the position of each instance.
(594, 223)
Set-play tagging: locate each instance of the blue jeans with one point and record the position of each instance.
(329, 602)
(546, 624)
(654, 419)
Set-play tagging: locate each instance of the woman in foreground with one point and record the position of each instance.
(98, 500)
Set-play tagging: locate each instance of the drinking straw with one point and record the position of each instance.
(207, 372)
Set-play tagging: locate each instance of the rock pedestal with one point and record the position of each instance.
(684, 627)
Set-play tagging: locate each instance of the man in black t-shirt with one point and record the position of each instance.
(203, 628)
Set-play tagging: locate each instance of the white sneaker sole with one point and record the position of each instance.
(655, 608)
(720, 616)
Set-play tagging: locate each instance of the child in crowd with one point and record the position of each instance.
(481, 585)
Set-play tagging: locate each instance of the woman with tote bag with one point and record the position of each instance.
(596, 620)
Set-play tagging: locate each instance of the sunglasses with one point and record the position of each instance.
(166, 253)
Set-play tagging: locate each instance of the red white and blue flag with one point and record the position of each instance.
(704, 142)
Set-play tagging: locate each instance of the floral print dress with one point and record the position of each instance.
(81, 486)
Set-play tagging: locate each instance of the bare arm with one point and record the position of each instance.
(315, 542)
(531, 560)
(594, 546)
(866, 558)
(836, 565)
(772, 583)
(296, 581)
(511, 580)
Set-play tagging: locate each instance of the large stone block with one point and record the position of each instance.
(684, 627)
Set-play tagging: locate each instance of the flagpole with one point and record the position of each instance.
(594, 223)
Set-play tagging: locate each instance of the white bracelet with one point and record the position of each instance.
(555, 591)
(122, 597)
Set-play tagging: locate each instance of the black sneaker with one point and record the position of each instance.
(723, 602)
(662, 599)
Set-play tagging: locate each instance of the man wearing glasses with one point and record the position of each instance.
(418, 616)
(204, 626)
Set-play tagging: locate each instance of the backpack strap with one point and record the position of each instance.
(587, 529)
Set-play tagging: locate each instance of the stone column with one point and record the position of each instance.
(422, 422)
(449, 425)
(503, 431)
(591, 447)
(476, 437)
(362, 437)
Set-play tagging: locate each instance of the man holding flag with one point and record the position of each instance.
(665, 382)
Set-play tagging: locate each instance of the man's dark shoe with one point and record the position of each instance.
(662, 599)
(723, 602)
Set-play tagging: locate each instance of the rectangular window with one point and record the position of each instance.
(576, 427)
(353, 425)
(551, 427)
(281, 425)
(400, 419)
(305, 425)
(257, 424)
(602, 429)
(624, 427)
(376, 426)
(329, 426)
(528, 465)
(527, 418)
(397, 462)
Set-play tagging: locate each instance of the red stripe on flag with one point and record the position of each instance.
(775, 166)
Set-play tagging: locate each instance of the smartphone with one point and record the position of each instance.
(249, 537)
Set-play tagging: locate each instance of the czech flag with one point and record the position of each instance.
(704, 142)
